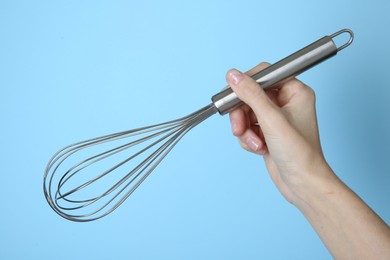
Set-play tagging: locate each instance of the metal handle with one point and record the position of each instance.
(291, 66)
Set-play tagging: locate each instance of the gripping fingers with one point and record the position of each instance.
(252, 142)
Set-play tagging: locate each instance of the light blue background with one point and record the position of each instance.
(70, 70)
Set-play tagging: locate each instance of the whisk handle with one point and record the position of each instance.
(291, 66)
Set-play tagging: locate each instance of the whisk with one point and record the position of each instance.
(88, 180)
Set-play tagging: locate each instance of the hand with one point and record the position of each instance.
(281, 125)
(287, 137)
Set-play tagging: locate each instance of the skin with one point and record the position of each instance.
(281, 125)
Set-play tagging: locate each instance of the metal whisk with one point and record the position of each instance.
(88, 180)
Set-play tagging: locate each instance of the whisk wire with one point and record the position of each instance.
(62, 201)
(62, 182)
(102, 156)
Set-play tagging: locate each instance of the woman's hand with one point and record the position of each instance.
(281, 125)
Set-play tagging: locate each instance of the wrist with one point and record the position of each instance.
(316, 185)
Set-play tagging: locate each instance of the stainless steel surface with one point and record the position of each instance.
(350, 40)
(291, 66)
(88, 180)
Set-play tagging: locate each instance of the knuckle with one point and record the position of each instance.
(304, 90)
(264, 64)
(309, 93)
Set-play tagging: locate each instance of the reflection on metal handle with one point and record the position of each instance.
(291, 66)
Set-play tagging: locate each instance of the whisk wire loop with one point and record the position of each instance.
(75, 202)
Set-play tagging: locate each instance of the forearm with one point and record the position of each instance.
(346, 225)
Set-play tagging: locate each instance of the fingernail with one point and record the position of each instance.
(253, 144)
(235, 76)
(234, 126)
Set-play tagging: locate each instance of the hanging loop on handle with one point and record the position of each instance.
(350, 40)
(291, 66)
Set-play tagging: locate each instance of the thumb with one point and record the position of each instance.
(250, 92)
